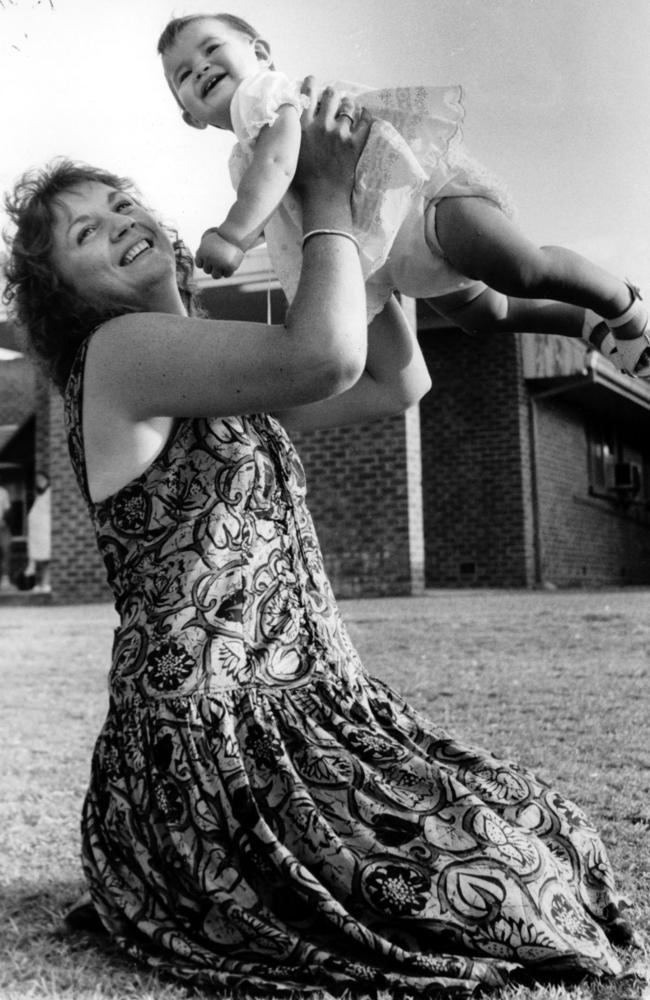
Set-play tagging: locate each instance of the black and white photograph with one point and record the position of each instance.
(325, 500)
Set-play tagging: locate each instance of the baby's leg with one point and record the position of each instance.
(493, 312)
(480, 309)
(482, 243)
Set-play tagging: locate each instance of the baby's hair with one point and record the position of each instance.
(174, 28)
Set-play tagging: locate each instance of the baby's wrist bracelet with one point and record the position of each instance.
(330, 232)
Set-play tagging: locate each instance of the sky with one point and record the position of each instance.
(557, 96)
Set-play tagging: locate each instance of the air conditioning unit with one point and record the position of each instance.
(624, 477)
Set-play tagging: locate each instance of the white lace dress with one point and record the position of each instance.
(414, 156)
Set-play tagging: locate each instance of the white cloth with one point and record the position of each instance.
(38, 528)
(5, 503)
(412, 159)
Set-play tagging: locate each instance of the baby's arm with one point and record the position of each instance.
(261, 189)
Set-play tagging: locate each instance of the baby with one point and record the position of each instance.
(430, 221)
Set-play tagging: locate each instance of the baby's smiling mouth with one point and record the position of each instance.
(211, 83)
(135, 251)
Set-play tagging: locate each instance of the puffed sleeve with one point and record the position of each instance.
(257, 99)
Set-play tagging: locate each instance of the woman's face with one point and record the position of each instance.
(110, 251)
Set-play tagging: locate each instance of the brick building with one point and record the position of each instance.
(524, 466)
(17, 444)
(536, 465)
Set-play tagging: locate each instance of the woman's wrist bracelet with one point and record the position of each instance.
(330, 232)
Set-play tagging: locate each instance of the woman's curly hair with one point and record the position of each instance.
(52, 317)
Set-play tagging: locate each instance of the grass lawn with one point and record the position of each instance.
(560, 681)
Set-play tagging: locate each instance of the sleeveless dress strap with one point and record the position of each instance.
(73, 404)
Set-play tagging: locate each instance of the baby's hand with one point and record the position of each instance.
(216, 256)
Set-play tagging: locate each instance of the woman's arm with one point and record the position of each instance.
(395, 377)
(158, 364)
(261, 189)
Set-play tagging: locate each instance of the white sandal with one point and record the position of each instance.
(632, 355)
(597, 335)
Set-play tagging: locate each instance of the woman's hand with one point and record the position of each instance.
(332, 140)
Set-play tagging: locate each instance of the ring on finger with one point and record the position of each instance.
(344, 114)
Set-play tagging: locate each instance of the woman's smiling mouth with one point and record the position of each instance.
(135, 251)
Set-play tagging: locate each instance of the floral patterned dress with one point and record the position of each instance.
(263, 815)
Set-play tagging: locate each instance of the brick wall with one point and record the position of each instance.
(77, 570)
(364, 493)
(582, 539)
(476, 464)
(42, 409)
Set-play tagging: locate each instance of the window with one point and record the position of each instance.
(602, 452)
(619, 470)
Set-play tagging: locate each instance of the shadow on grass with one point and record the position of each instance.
(42, 957)
(32, 918)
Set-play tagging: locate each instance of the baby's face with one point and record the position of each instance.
(206, 64)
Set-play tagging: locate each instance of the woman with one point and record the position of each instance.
(262, 815)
